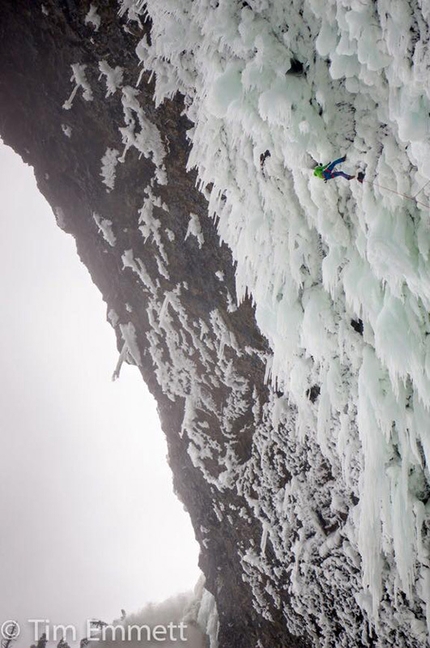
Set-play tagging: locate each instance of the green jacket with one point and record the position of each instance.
(318, 171)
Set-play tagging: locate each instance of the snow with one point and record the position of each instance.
(131, 9)
(207, 618)
(170, 235)
(128, 333)
(140, 133)
(113, 317)
(79, 78)
(67, 130)
(105, 228)
(139, 268)
(194, 229)
(113, 77)
(273, 88)
(93, 18)
(109, 163)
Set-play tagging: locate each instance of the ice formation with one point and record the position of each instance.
(305, 86)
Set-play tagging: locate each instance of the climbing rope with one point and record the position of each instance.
(421, 189)
(398, 193)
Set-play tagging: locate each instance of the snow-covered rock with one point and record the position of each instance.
(297, 427)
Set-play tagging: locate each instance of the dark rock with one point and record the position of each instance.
(313, 392)
(296, 67)
(357, 325)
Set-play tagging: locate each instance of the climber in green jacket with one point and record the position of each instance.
(326, 172)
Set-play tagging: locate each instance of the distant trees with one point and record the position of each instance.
(94, 624)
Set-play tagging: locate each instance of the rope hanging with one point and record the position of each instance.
(421, 189)
(400, 194)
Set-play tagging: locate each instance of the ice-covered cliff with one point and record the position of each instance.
(282, 324)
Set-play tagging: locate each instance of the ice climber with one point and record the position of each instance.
(325, 171)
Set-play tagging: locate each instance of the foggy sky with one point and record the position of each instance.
(90, 524)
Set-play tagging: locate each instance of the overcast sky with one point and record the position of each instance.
(89, 522)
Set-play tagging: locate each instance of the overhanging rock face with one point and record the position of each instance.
(271, 517)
